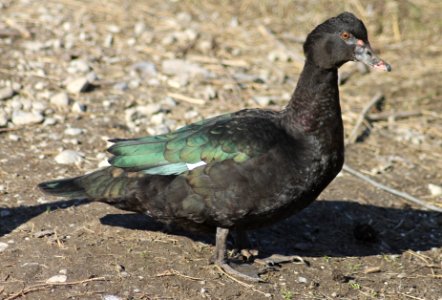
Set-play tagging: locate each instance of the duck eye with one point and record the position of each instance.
(345, 35)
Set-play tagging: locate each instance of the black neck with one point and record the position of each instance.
(314, 105)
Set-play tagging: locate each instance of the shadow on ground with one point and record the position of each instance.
(326, 228)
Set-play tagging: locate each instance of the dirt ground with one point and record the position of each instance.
(356, 241)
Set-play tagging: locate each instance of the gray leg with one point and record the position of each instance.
(221, 256)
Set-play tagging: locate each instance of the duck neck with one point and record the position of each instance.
(314, 107)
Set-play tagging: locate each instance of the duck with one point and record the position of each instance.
(242, 170)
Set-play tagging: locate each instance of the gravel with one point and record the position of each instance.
(68, 157)
(26, 118)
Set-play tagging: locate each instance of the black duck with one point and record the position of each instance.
(241, 170)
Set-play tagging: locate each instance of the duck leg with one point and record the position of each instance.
(221, 256)
(244, 246)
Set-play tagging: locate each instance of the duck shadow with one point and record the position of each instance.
(327, 228)
(11, 218)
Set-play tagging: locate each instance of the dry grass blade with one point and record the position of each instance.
(176, 273)
(187, 99)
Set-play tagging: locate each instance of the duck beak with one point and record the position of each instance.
(365, 54)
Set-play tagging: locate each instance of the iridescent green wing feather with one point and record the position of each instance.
(230, 136)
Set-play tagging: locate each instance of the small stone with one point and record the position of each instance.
(139, 28)
(3, 118)
(179, 66)
(435, 190)
(145, 69)
(190, 114)
(14, 137)
(50, 121)
(111, 297)
(78, 85)
(60, 99)
(69, 157)
(157, 119)
(209, 93)
(262, 100)
(73, 131)
(302, 279)
(3, 246)
(26, 118)
(57, 279)
(63, 271)
(6, 93)
(78, 66)
(121, 86)
(79, 107)
(149, 109)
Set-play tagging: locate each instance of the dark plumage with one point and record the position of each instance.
(241, 170)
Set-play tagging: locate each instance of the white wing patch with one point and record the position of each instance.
(196, 165)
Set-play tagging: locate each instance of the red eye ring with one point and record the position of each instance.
(345, 35)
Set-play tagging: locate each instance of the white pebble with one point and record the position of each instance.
(6, 93)
(60, 99)
(262, 100)
(302, 279)
(14, 137)
(157, 119)
(69, 157)
(73, 131)
(111, 297)
(3, 118)
(79, 107)
(78, 85)
(435, 190)
(3, 246)
(25, 118)
(57, 279)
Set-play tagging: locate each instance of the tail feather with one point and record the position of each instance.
(64, 187)
(107, 183)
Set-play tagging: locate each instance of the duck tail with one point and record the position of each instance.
(107, 183)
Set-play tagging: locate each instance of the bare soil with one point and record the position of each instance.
(357, 242)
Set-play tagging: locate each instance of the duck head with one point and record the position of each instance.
(339, 40)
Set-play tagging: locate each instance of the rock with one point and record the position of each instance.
(6, 93)
(302, 279)
(262, 100)
(78, 85)
(145, 68)
(3, 246)
(26, 118)
(57, 279)
(50, 121)
(111, 297)
(73, 131)
(121, 86)
(79, 107)
(3, 118)
(157, 119)
(14, 137)
(60, 99)
(182, 67)
(69, 157)
(435, 190)
(78, 66)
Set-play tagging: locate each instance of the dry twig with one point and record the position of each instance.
(391, 190)
(41, 286)
(176, 273)
(354, 133)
